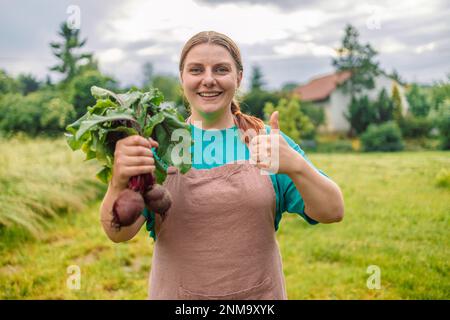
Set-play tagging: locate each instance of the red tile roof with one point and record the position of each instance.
(321, 88)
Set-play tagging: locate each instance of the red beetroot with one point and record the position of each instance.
(158, 199)
(142, 191)
(127, 208)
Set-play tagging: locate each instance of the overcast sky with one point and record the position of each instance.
(292, 41)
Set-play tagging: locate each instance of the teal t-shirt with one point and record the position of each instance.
(213, 148)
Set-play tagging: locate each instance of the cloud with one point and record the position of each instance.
(112, 55)
(303, 49)
(291, 40)
(426, 47)
(247, 25)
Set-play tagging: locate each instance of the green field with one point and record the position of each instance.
(397, 218)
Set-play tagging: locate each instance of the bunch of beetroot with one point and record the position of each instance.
(116, 116)
(142, 191)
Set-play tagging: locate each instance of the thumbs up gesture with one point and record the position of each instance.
(271, 152)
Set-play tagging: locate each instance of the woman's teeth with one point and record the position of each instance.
(213, 94)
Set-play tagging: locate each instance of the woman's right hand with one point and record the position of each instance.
(132, 157)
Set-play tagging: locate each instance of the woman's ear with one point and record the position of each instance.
(239, 78)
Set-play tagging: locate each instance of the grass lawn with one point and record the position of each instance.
(397, 219)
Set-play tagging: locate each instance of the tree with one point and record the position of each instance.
(289, 86)
(293, 122)
(254, 101)
(65, 51)
(148, 73)
(418, 104)
(384, 107)
(40, 112)
(397, 104)
(358, 59)
(79, 89)
(314, 112)
(396, 76)
(28, 83)
(256, 81)
(440, 92)
(8, 84)
(169, 86)
(443, 124)
(360, 114)
(48, 81)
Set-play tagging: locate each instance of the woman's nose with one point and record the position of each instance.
(208, 79)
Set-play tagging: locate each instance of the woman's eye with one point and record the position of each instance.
(222, 69)
(195, 70)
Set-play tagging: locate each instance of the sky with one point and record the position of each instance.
(290, 40)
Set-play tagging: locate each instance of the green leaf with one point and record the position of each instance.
(104, 175)
(73, 143)
(102, 106)
(128, 99)
(101, 93)
(154, 96)
(115, 116)
(127, 130)
(152, 122)
(163, 138)
(95, 119)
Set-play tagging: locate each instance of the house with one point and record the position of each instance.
(325, 92)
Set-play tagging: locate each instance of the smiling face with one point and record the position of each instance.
(210, 78)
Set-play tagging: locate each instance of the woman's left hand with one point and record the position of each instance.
(272, 153)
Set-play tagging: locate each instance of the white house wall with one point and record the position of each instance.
(338, 102)
(337, 108)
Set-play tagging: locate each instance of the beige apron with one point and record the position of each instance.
(218, 239)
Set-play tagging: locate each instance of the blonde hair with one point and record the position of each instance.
(243, 121)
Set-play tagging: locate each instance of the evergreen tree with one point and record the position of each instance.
(417, 100)
(289, 86)
(396, 76)
(148, 73)
(358, 59)
(440, 93)
(384, 107)
(256, 82)
(28, 83)
(398, 107)
(70, 62)
(7, 83)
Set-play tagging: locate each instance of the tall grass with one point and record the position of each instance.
(40, 178)
(396, 218)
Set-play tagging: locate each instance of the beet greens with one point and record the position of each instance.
(116, 116)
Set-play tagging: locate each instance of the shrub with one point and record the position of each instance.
(254, 101)
(362, 112)
(418, 104)
(19, 113)
(55, 115)
(38, 112)
(314, 112)
(443, 178)
(80, 89)
(338, 146)
(413, 127)
(443, 124)
(293, 122)
(383, 137)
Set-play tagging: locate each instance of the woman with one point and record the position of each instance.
(218, 239)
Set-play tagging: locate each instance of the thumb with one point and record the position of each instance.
(274, 121)
(153, 143)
